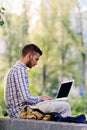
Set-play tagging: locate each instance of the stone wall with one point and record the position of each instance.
(21, 124)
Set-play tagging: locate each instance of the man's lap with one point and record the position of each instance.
(51, 105)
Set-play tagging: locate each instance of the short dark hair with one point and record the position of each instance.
(30, 47)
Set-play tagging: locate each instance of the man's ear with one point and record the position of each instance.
(31, 56)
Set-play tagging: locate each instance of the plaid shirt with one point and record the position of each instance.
(16, 90)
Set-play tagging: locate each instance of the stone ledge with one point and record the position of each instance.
(21, 124)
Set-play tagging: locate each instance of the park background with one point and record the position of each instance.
(59, 28)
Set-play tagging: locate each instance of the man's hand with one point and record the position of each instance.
(44, 98)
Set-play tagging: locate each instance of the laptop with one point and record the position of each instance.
(64, 90)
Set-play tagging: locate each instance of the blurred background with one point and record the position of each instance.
(59, 28)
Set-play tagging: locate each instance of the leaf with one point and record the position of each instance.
(2, 8)
(1, 23)
(2, 12)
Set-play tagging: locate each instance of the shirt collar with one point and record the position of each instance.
(21, 63)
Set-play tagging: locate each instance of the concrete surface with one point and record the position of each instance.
(21, 124)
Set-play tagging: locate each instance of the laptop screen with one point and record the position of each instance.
(64, 89)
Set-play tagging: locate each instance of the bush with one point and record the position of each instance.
(2, 102)
(77, 105)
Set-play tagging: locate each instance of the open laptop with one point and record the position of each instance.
(64, 90)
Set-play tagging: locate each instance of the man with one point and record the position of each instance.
(16, 87)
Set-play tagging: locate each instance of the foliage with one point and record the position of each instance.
(56, 39)
(2, 101)
(77, 104)
(2, 9)
(15, 32)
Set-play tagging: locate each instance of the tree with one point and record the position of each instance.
(56, 39)
(15, 34)
(15, 31)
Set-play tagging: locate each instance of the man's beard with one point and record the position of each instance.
(29, 65)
